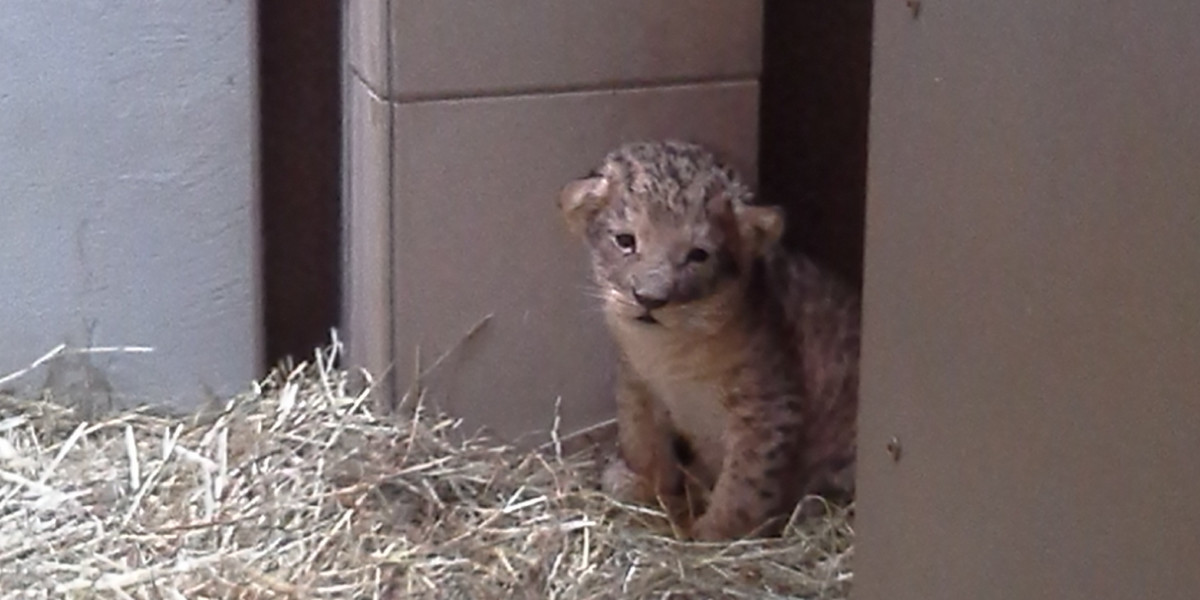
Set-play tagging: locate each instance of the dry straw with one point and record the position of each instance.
(299, 489)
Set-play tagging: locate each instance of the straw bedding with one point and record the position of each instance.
(300, 489)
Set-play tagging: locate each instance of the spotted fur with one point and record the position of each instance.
(738, 377)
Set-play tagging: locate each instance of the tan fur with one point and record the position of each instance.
(737, 390)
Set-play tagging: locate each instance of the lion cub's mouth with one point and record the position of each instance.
(648, 318)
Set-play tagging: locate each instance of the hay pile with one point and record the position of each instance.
(299, 489)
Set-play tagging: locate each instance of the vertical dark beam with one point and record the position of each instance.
(815, 99)
(300, 100)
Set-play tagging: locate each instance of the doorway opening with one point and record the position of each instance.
(300, 173)
(815, 97)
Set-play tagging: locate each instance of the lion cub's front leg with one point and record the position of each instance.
(647, 470)
(759, 482)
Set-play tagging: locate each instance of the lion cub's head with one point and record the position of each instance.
(670, 231)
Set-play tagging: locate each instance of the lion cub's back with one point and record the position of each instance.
(824, 312)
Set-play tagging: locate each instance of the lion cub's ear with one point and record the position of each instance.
(759, 226)
(580, 200)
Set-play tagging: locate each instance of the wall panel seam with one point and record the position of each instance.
(588, 88)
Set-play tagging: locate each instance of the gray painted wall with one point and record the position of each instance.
(128, 196)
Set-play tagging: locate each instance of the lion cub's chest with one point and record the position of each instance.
(696, 410)
(690, 384)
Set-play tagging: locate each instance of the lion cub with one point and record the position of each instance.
(738, 378)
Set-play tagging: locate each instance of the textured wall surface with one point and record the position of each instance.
(127, 196)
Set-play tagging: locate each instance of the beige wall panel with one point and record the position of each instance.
(367, 41)
(467, 47)
(477, 233)
(367, 307)
(1032, 306)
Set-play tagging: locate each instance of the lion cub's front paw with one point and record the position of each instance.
(621, 483)
(710, 529)
(730, 525)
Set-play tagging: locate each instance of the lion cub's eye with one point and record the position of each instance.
(625, 241)
(697, 255)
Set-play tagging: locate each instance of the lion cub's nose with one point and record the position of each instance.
(649, 302)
